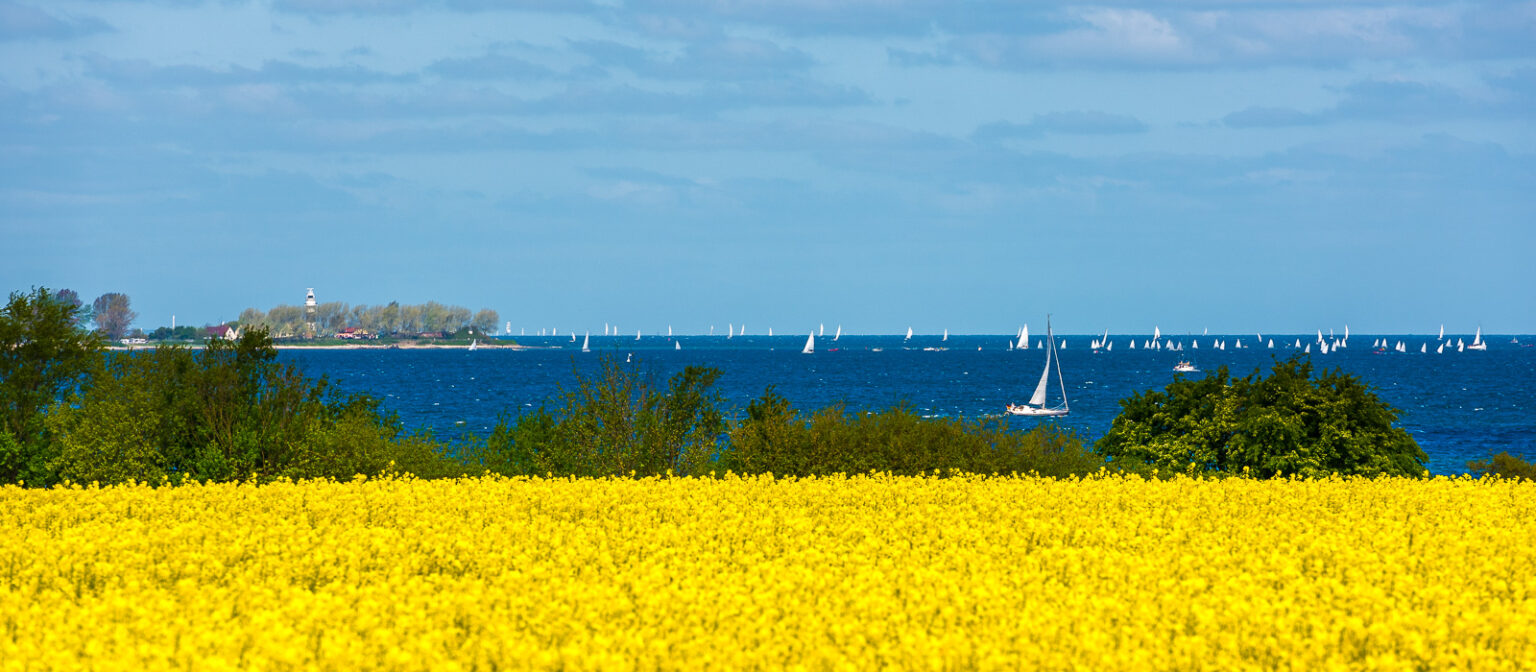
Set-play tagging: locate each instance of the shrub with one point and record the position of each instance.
(228, 412)
(1504, 465)
(1286, 423)
(43, 354)
(618, 422)
(773, 438)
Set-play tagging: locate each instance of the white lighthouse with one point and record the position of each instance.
(309, 311)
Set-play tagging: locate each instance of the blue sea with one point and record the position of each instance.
(1458, 405)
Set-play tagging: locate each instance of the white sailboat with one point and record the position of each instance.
(472, 343)
(839, 333)
(1477, 341)
(810, 344)
(637, 334)
(909, 333)
(1023, 338)
(1036, 404)
(677, 345)
(821, 330)
(770, 332)
(669, 331)
(585, 341)
(946, 335)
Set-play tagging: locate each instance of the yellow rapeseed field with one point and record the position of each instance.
(867, 572)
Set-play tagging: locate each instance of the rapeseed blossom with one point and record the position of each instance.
(863, 572)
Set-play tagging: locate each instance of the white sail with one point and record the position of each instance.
(839, 333)
(585, 341)
(810, 344)
(1156, 333)
(1036, 405)
(1442, 333)
(1423, 348)
(909, 333)
(730, 329)
(1038, 398)
(1133, 344)
(677, 345)
(1460, 346)
(473, 343)
(770, 331)
(821, 330)
(1109, 347)
(1271, 344)
(1023, 337)
(946, 335)
(669, 331)
(1477, 337)
(1440, 349)
(1309, 348)
(637, 334)
(1298, 344)
(1194, 344)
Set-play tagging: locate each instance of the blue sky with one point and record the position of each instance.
(1232, 166)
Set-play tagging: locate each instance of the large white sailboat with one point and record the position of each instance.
(810, 344)
(585, 341)
(1036, 404)
(1477, 341)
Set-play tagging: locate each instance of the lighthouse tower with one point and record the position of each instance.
(309, 311)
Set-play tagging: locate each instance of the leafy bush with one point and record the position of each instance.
(618, 422)
(773, 438)
(227, 412)
(1286, 423)
(1504, 465)
(43, 354)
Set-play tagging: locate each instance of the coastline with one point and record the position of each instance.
(351, 346)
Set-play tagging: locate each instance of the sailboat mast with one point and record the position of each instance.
(1059, 381)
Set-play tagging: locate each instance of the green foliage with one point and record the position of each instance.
(181, 333)
(618, 422)
(44, 354)
(1504, 465)
(1286, 423)
(773, 438)
(228, 412)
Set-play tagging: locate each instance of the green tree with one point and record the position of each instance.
(1286, 423)
(619, 421)
(113, 315)
(486, 322)
(44, 354)
(1504, 465)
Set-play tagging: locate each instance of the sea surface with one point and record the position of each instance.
(1458, 405)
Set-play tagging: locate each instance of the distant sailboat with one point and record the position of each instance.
(585, 341)
(1423, 348)
(1023, 338)
(637, 334)
(677, 345)
(821, 330)
(1477, 341)
(730, 329)
(669, 331)
(1441, 337)
(810, 344)
(946, 335)
(1036, 404)
(770, 332)
(472, 344)
(909, 333)
(1271, 345)
(839, 333)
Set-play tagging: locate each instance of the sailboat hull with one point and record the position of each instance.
(1033, 411)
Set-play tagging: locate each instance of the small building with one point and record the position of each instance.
(224, 331)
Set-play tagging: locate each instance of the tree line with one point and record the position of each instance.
(232, 411)
(392, 318)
